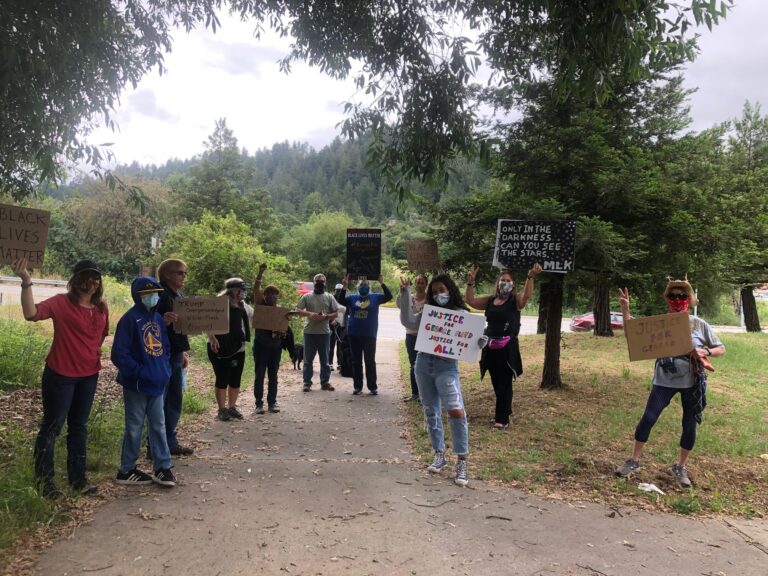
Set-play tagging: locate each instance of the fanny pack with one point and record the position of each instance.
(498, 343)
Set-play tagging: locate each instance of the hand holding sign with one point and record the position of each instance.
(19, 267)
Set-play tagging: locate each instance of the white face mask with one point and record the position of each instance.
(442, 298)
(505, 288)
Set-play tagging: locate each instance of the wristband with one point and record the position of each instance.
(26, 285)
(530, 277)
(472, 284)
(709, 352)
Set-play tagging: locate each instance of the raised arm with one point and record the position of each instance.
(257, 295)
(525, 295)
(387, 293)
(28, 306)
(408, 319)
(480, 303)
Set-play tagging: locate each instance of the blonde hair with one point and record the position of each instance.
(682, 285)
(169, 266)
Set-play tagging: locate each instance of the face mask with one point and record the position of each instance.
(363, 290)
(442, 298)
(505, 288)
(150, 300)
(319, 287)
(270, 300)
(678, 305)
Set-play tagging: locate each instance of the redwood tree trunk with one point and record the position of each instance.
(541, 326)
(749, 306)
(550, 377)
(601, 309)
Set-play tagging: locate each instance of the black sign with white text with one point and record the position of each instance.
(521, 243)
(364, 252)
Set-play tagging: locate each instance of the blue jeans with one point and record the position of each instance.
(67, 400)
(173, 398)
(438, 381)
(363, 347)
(316, 344)
(410, 347)
(266, 360)
(137, 407)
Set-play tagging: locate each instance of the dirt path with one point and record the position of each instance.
(328, 486)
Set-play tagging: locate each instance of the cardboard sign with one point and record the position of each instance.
(658, 336)
(521, 243)
(202, 315)
(422, 255)
(23, 232)
(450, 333)
(364, 252)
(273, 318)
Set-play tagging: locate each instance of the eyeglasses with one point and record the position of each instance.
(677, 296)
(180, 272)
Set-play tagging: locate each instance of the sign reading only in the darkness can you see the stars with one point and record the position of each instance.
(522, 243)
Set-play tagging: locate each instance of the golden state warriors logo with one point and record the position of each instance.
(361, 306)
(153, 342)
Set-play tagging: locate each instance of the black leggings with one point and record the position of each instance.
(502, 377)
(657, 401)
(228, 371)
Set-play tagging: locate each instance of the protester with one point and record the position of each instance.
(172, 273)
(417, 304)
(267, 349)
(80, 324)
(318, 308)
(438, 380)
(141, 352)
(501, 356)
(227, 351)
(334, 323)
(685, 374)
(362, 330)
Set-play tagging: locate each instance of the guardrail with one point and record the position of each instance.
(41, 281)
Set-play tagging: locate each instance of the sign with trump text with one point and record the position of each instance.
(450, 333)
(209, 315)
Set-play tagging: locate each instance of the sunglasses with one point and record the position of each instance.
(180, 272)
(677, 296)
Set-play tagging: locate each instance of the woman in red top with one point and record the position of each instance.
(80, 324)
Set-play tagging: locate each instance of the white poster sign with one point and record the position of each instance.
(450, 333)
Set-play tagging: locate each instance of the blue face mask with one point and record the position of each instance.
(150, 300)
(442, 298)
(363, 290)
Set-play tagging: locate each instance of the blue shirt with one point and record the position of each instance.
(364, 312)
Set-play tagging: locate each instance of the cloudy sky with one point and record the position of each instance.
(231, 74)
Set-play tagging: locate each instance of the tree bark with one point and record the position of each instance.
(601, 309)
(550, 377)
(749, 306)
(541, 325)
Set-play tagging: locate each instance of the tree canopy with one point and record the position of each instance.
(65, 63)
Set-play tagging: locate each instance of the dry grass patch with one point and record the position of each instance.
(566, 443)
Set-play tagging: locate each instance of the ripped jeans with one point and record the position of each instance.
(438, 382)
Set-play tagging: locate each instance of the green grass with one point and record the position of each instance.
(570, 440)
(22, 354)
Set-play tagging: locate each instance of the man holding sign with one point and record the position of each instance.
(685, 374)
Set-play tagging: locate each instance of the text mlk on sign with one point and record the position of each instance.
(522, 243)
(23, 232)
(201, 315)
(658, 336)
(449, 333)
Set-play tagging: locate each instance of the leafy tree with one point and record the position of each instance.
(66, 61)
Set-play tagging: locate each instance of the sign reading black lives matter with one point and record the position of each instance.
(522, 243)
(364, 252)
(23, 232)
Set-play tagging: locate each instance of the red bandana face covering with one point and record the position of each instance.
(678, 305)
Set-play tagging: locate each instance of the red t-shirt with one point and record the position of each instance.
(78, 333)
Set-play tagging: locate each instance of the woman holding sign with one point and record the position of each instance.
(685, 374)
(80, 324)
(501, 356)
(438, 379)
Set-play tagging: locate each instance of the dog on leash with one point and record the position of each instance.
(297, 356)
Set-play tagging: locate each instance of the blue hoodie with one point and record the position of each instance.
(141, 349)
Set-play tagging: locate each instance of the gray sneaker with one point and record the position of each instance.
(438, 463)
(626, 469)
(681, 474)
(224, 414)
(462, 477)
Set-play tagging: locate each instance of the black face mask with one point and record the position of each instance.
(319, 287)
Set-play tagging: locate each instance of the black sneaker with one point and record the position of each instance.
(180, 450)
(235, 413)
(224, 415)
(164, 477)
(133, 478)
(260, 409)
(50, 491)
(374, 392)
(327, 386)
(357, 392)
(83, 487)
(274, 408)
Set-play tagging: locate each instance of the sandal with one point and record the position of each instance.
(500, 427)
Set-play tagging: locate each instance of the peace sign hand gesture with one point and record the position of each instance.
(624, 302)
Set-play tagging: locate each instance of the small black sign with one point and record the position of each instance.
(521, 243)
(364, 252)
